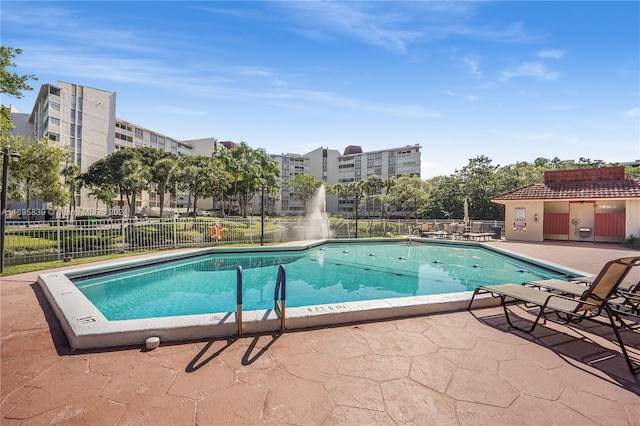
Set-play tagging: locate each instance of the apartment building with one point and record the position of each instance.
(84, 118)
(284, 203)
(355, 164)
(80, 117)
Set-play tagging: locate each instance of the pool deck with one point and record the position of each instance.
(453, 368)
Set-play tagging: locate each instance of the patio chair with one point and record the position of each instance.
(627, 302)
(426, 230)
(568, 309)
(476, 232)
(576, 286)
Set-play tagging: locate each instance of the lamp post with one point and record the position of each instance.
(262, 216)
(6, 155)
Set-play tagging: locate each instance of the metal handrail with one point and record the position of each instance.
(239, 298)
(281, 288)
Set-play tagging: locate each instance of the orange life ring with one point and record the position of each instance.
(217, 232)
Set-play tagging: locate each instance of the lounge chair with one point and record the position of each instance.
(574, 308)
(476, 232)
(459, 232)
(426, 230)
(627, 302)
(576, 286)
(442, 231)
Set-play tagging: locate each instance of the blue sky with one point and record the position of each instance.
(511, 80)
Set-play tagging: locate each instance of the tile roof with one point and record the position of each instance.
(620, 189)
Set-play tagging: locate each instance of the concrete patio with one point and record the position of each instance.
(454, 368)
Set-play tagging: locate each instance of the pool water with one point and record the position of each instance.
(328, 274)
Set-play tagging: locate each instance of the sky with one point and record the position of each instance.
(509, 80)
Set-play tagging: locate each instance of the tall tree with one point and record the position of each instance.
(39, 171)
(372, 187)
(163, 168)
(71, 174)
(304, 187)
(480, 184)
(250, 169)
(123, 169)
(203, 176)
(409, 195)
(12, 83)
(446, 200)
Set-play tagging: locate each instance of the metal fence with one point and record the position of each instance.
(59, 239)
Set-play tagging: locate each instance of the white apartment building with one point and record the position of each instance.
(76, 116)
(285, 203)
(84, 118)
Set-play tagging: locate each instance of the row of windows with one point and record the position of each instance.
(124, 137)
(125, 127)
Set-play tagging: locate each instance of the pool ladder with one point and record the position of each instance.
(279, 295)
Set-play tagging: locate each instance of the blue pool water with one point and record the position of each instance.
(332, 273)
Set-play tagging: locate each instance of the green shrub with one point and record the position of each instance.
(632, 242)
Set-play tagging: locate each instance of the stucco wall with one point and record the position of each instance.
(633, 218)
(533, 229)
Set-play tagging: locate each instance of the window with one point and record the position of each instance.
(53, 136)
(72, 143)
(73, 115)
(54, 121)
(79, 103)
(161, 139)
(79, 117)
(54, 106)
(139, 132)
(153, 137)
(79, 132)
(72, 130)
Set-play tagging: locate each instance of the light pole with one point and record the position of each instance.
(262, 217)
(6, 155)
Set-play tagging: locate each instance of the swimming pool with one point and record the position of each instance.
(327, 283)
(332, 273)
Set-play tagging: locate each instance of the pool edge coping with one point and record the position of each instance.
(87, 328)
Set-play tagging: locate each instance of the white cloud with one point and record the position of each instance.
(470, 98)
(551, 53)
(473, 63)
(633, 113)
(530, 69)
